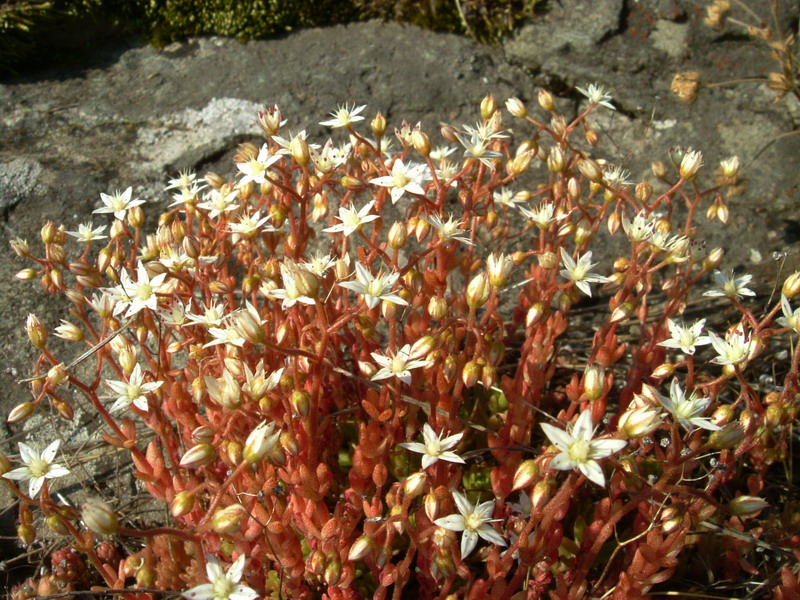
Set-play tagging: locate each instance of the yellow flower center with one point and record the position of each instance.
(579, 451)
(38, 467)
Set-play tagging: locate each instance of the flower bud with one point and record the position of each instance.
(519, 164)
(437, 308)
(181, 504)
(397, 235)
(431, 504)
(639, 422)
(98, 516)
(713, 259)
(57, 375)
(228, 520)
(488, 107)
(541, 493)
(197, 456)
(20, 247)
(26, 534)
(414, 485)
(260, 441)
(421, 142)
(299, 150)
(665, 370)
(623, 311)
(360, 549)
(20, 412)
(593, 382)
(536, 312)
(471, 373)
(746, 506)
(378, 125)
(300, 401)
(516, 108)
(57, 524)
(591, 170)
(546, 100)
(48, 233)
(36, 331)
(555, 160)
(526, 472)
(478, 290)
(727, 437)
(791, 286)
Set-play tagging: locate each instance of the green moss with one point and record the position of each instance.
(24, 24)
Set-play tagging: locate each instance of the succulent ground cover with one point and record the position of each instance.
(331, 403)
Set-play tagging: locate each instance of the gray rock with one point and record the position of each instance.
(18, 181)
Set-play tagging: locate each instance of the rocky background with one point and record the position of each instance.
(128, 114)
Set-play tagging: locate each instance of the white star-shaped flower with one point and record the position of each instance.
(473, 521)
(543, 214)
(579, 271)
(398, 365)
(351, 219)
(477, 147)
(434, 448)
(640, 229)
(137, 295)
(579, 450)
(403, 178)
(685, 338)
(249, 226)
(687, 411)
(222, 585)
(597, 95)
(733, 349)
(132, 391)
(374, 288)
(38, 467)
(730, 286)
(450, 229)
(118, 203)
(344, 116)
(218, 202)
(86, 233)
(255, 169)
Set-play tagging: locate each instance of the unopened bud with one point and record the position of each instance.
(98, 516)
(228, 520)
(488, 107)
(591, 170)
(299, 150)
(727, 437)
(519, 164)
(593, 382)
(471, 373)
(714, 259)
(535, 313)
(546, 100)
(555, 160)
(690, 164)
(639, 422)
(300, 401)
(397, 235)
(36, 331)
(746, 506)
(437, 308)
(57, 375)
(516, 108)
(664, 370)
(378, 125)
(333, 572)
(478, 290)
(181, 504)
(360, 549)
(197, 456)
(525, 474)
(414, 485)
(421, 142)
(791, 286)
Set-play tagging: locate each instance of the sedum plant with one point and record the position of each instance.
(350, 372)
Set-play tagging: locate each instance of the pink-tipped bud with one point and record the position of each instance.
(20, 412)
(414, 485)
(333, 572)
(25, 274)
(422, 347)
(526, 473)
(362, 547)
(197, 456)
(431, 505)
(228, 520)
(591, 170)
(623, 311)
(98, 516)
(181, 504)
(203, 435)
(541, 493)
(747, 506)
(535, 313)
(665, 370)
